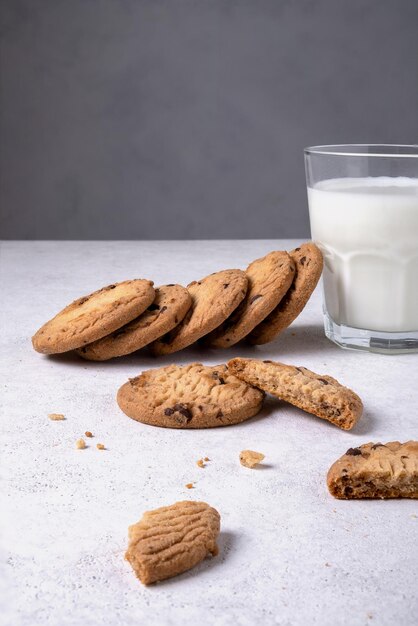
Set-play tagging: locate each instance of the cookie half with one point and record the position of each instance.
(91, 317)
(214, 298)
(169, 307)
(269, 278)
(172, 540)
(376, 470)
(320, 395)
(192, 396)
(308, 263)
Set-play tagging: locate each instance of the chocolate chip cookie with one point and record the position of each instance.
(269, 278)
(191, 396)
(91, 317)
(169, 307)
(214, 298)
(318, 394)
(309, 263)
(376, 470)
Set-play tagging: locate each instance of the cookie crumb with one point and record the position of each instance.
(189, 486)
(88, 433)
(200, 463)
(56, 417)
(249, 458)
(100, 446)
(206, 459)
(80, 444)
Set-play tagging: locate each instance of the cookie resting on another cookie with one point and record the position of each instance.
(92, 317)
(376, 470)
(189, 396)
(213, 300)
(169, 307)
(309, 263)
(318, 394)
(172, 540)
(269, 278)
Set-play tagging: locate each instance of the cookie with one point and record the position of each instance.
(169, 307)
(191, 396)
(376, 470)
(269, 278)
(91, 317)
(309, 263)
(213, 300)
(320, 395)
(172, 540)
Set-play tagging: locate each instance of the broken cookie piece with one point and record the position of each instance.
(318, 394)
(56, 417)
(249, 458)
(376, 470)
(172, 540)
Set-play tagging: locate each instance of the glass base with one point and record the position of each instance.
(370, 340)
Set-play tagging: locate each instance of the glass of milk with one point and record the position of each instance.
(363, 209)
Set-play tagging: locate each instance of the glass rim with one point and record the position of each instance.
(384, 150)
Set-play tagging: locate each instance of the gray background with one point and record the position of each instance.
(130, 119)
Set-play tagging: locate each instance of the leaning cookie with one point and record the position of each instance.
(269, 278)
(92, 317)
(172, 540)
(309, 263)
(318, 394)
(169, 307)
(191, 396)
(214, 298)
(376, 470)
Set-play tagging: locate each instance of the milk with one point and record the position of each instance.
(367, 229)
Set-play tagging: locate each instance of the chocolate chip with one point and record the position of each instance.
(296, 250)
(200, 407)
(221, 380)
(254, 298)
(267, 361)
(83, 300)
(302, 261)
(153, 307)
(323, 381)
(111, 286)
(404, 457)
(164, 308)
(219, 414)
(226, 285)
(168, 411)
(354, 452)
(170, 285)
(183, 410)
(378, 445)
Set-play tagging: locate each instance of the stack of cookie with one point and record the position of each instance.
(219, 310)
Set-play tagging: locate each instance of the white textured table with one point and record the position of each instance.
(289, 553)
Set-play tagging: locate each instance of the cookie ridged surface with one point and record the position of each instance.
(376, 470)
(169, 307)
(189, 396)
(269, 278)
(320, 395)
(214, 298)
(308, 263)
(172, 540)
(91, 317)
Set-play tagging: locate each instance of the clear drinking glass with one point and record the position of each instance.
(363, 209)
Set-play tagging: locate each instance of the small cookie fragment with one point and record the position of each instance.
(92, 317)
(172, 540)
(200, 463)
(88, 433)
(250, 458)
(189, 486)
(56, 417)
(80, 444)
(100, 446)
(376, 470)
(318, 394)
(189, 396)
